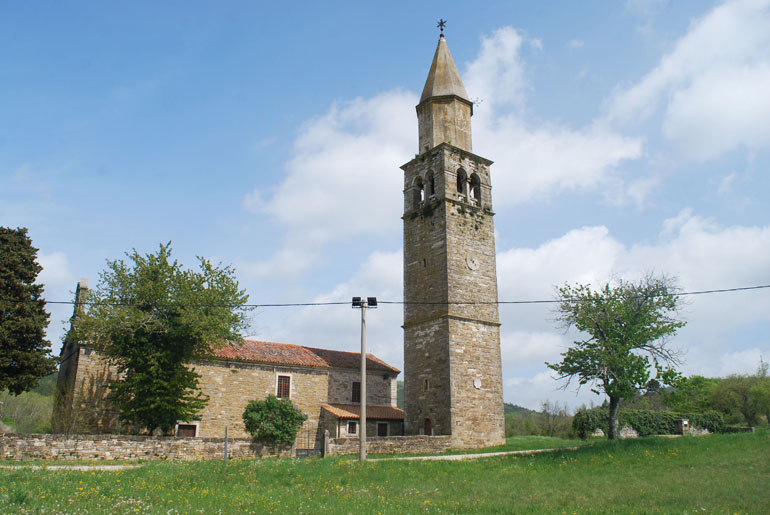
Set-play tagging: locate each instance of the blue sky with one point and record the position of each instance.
(627, 138)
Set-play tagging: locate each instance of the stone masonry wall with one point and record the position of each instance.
(392, 445)
(380, 386)
(232, 385)
(451, 324)
(131, 448)
(84, 407)
(105, 447)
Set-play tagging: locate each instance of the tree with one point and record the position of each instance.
(748, 395)
(692, 394)
(273, 420)
(25, 354)
(152, 318)
(628, 325)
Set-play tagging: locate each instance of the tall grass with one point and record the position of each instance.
(718, 473)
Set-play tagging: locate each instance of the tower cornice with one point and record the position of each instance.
(452, 148)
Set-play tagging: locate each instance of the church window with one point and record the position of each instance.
(419, 193)
(475, 190)
(462, 181)
(283, 388)
(186, 430)
(432, 186)
(426, 385)
(356, 393)
(352, 428)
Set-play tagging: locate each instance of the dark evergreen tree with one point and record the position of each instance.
(25, 354)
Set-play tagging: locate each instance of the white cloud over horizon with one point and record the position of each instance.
(712, 84)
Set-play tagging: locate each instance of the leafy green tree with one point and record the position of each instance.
(761, 390)
(273, 420)
(744, 397)
(691, 394)
(152, 318)
(628, 326)
(25, 354)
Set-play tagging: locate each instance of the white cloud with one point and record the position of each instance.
(721, 109)
(59, 282)
(336, 327)
(713, 83)
(343, 179)
(702, 254)
(56, 270)
(284, 264)
(726, 183)
(539, 162)
(497, 74)
(575, 43)
(533, 161)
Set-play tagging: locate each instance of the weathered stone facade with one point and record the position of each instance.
(244, 373)
(232, 385)
(82, 404)
(453, 371)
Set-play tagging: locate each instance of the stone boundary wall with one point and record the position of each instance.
(119, 447)
(392, 445)
(15, 446)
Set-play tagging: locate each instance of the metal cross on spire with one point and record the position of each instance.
(441, 24)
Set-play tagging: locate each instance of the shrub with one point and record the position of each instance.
(273, 420)
(645, 422)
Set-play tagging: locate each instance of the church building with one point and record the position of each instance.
(453, 373)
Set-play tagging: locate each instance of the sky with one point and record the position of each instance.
(627, 139)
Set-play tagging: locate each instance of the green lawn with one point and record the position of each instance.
(714, 474)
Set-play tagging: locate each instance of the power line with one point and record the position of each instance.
(345, 303)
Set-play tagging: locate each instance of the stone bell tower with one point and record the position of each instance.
(453, 372)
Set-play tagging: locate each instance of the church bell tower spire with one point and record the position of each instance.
(444, 112)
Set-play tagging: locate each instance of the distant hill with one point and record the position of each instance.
(513, 408)
(509, 408)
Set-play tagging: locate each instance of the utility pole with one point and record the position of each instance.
(358, 302)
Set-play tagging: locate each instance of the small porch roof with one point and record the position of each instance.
(373, 412)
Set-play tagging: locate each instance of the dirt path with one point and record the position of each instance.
(457, 457)
(70, 467)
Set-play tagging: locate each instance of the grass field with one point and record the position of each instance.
(713, 474)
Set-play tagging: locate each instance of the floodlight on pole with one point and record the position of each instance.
(358, 302)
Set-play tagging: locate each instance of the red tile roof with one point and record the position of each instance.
(297, 355)
(270, 352)
(342, 359)
(372, 412)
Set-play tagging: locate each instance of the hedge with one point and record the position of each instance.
(645, 422)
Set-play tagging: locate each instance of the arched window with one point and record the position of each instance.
(418, 193)
(432, 186)
(475, 189)
(462, 182)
